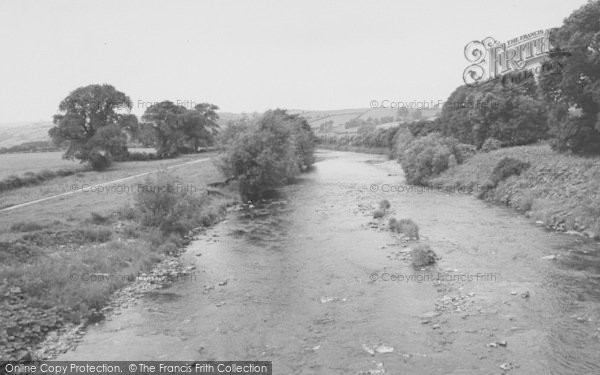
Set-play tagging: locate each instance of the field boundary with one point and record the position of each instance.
(88, 188)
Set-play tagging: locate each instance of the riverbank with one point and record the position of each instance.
(560, 191)
(62, 260)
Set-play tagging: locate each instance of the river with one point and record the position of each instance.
(313, 283)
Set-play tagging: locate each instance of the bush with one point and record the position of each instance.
(99, 161)
(428, 156)
(465, 151)
(26, 226)
(96, 218)
(422, 256)
(424, 127)
(491, 144)
(267, 153)
(405, 226)
(384, 204)
(163, 205)
(507, 167)
(378, 214)
(128, 213)
(93, 234)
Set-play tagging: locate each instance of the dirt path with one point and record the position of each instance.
(91, 188)
(313, 284)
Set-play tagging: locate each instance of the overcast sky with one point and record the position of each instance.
(250, 55)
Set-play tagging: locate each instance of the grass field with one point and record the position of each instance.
(98, 231)
(110, 197)
(18, 164)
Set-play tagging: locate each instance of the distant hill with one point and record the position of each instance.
(335, 120)
(12, 134)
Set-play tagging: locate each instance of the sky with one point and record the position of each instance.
(249, 56)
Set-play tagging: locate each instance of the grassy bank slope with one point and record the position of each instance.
(562, 191)
(61, 260)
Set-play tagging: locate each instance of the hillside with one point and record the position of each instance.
(12, 134)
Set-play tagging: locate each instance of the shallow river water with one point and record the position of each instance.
(313, 283)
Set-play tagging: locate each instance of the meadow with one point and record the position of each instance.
(18, 164)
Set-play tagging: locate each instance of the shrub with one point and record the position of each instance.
(267, 153)
(465, 151)
(26, 226)
(507, 167)
(427, 157)
(99, 161)
(384, 204)
(128, 213)
(491, 144)
(96, 218)
(378, 214)
(422, 256)
(93, 234)
(405, 226)
(423, 127)
(164, 206)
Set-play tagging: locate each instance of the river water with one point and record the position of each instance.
(313, 283)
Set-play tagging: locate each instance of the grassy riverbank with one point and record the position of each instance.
(560, 190)
(61, 259)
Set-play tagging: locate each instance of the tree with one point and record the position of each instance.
(266, 152)
(509, 110)
(177, 129)
(166, 119)
(573, 90)
(91, 125)
(200, 125)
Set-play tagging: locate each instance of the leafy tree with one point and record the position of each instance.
(200, 125)
(573, 90)
(166, 119)
(177, 129)
(91, 125)
(266, 152)
(424, 127)
(428, 156)
(508, 110)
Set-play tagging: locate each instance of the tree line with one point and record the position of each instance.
(94, 125)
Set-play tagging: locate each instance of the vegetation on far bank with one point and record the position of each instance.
(479, 140)
(562, 191)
